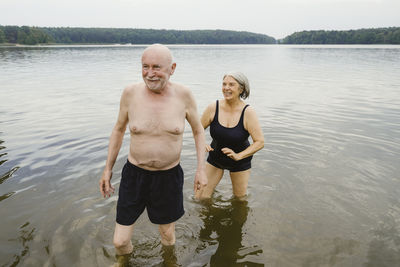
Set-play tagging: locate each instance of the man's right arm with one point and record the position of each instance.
(206, 119)
(114, 145)
(200, 180)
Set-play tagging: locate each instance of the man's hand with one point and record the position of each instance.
(200, 181)
(209, 148)
(106, 189)
(230, 153)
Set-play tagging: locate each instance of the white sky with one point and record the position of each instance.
(276, 18)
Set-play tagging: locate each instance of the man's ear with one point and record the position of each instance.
(173, 67)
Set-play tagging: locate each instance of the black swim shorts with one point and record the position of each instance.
(160, 192)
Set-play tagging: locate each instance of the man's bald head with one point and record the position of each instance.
(161, 51)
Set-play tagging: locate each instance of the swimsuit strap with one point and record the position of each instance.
(216, 112)
(242, 115)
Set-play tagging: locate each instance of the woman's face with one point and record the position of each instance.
(230, 88)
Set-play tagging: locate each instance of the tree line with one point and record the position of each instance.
(389, 35)
(65, 35)
(23, 35)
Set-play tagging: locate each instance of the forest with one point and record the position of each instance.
(363, 36)
(27, 35)
(64, 35)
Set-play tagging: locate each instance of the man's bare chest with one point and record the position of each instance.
(157, 118)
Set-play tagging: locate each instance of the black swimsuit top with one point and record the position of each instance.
(235, 138)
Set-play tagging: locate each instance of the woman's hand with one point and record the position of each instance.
(209, 148)
(230, 153)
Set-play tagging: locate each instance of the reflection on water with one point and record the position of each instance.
(26, 235)
(168, 255)
(223, 231)
(8, 174)
(168, 258)
(384, 249)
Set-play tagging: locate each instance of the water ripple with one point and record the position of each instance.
(329, 172)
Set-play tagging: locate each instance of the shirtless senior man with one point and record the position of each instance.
(152, 178)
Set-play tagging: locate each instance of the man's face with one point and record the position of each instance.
(156, 70)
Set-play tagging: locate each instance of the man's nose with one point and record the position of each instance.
(150, 72)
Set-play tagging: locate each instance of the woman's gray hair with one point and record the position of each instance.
(242, 81)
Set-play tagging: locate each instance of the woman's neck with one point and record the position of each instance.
(233, 103)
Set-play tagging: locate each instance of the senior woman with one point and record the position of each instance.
(231, 122)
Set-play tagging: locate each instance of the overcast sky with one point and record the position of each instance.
(276, 18)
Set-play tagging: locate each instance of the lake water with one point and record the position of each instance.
(325, 190)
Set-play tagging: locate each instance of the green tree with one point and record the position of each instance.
(362, 36)
(2, 36)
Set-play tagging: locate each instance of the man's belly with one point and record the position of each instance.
(155, 154)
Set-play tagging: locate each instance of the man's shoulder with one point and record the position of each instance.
(180, 88)
(133, 88)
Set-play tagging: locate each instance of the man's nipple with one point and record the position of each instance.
(134, 129)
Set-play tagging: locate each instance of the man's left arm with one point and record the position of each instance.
(192, 116)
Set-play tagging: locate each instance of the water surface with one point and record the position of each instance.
(325, 190)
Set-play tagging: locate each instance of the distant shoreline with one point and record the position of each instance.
(389, 35)
(26, 35)
(65, 35)
(196, 45)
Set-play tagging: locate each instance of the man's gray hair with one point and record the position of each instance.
(242, 81)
